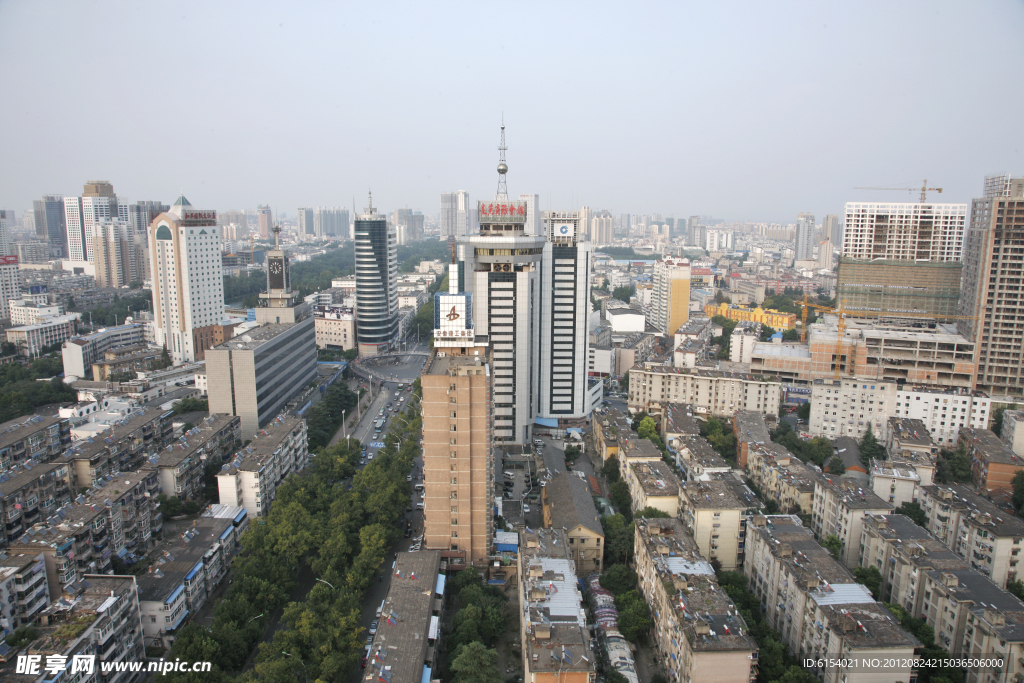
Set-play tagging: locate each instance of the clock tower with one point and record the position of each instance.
(279, 304)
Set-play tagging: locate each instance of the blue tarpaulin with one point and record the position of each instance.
(439, 588)
(546, 421)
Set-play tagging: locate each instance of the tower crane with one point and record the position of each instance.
(924, 189)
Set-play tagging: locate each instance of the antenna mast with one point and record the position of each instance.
(502, 167)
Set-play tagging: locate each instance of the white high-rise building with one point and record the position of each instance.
(463, 214)
(565, 305)
(718, 240)
(832, 229)
(5, 240)
(330, 222)
(449, 214)
(188, 282)
(804, 237)
(602, 228)
(932, 232)
(585, 214)
(532, 213)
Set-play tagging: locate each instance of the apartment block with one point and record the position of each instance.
(848, 407)
(696, 458)
(251, 479)
(568, 504)
(30, 589)
(1013, 431)
(613, 426)
(839, 509)
(31, 340)
(335, 327)
(988, 538)
(742, 339)
(781, 477)
(632, 450)
(36, 437)
(816, 606)
(122, 448)
(551, 611)
(749, 428)
(180, 465)
(904, 231)
(677, 420)
(698, 634)
(894, 481)
(714, 513)
(671, 294)
(458, 467)
(653, 484)
(79, 353)
(944, 411)
(29, 495)
(653, 387)
(993, 465)
(132, 513)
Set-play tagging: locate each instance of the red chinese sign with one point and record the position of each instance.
(9, 260)
(504, 211)
(200, 216)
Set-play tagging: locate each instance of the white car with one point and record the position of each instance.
(526, 509)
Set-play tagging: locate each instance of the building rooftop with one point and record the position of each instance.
(894, 469)
(694, 325)
(552, 605)
(910, 431)
(572, 503)
(87, 448)
(176, 557)
(710, 374)
(15, 430)
(256, 337)
(702, 453)
(847, 448)
(656, 478)
(868, 625)
(715, 494)
(794, 546)
(407, 621)
(914, 542)
(852, 494)
(976, 510)
(986, 443)
(447, 364)
(781, 350)
(634, 447)
(750, 426)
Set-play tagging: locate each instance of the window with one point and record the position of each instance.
(455, 480)
(453, 414)
(454, 496)
(455, 508)
(455, 534)
(453, 441)
(454, 454)
(453, 427)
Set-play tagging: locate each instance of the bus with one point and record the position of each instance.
(379, 424)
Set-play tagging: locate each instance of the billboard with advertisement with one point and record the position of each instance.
(453, 319)
(8, 260)
(504, 211)
(563, 230)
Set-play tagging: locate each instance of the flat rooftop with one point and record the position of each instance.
(750, 426)
(176, 557)
(702, 453)
(910, 431)
(894, 469)
(656, 478)
(976, 510)
(15, 430)
(714, 494)
(256, 337)
(446, 364)
(913, 542)
(763, 349)
(985, 441)
(679, 419)
(853, 495)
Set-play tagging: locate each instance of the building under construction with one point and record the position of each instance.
(900, 286)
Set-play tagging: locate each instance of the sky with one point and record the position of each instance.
(737, 110)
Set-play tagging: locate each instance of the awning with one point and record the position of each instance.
(435, 623)
(439, 588)
(427, 674)
(546, 421)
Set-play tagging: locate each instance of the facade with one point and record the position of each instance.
(652, 387)
(330, 222)
(671, 305)
(51, 226)
(376, 283)
(989, 303)
(653, 484)
(816, 606)
(568, 505)
(904, 231)
(565, 307)
(449, 214)
(26, 312)
(839, 509)
(804, 249)
(898, 287)
(180, 466)
(188, 282)
(993, 465)
(335, 327)
(79, 353)
(458, 469)
(894, 481)
(848, 407)
(944, 411)
(114, 254)
(10, 284)
(50, 332)
(264, 221)
(781, 477)
(34, 436)
(32, 252)
(697, 634)
(741, 342)
(1013, 431)
(551, 611)
(769, 317)
(304, 221)
(832, 229)
(714, 513)
(251, 478)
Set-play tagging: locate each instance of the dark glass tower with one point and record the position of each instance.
(376, 283)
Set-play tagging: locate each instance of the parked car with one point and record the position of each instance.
(526, 509)
(373, 628)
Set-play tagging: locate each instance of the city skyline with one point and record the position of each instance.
(673, 126)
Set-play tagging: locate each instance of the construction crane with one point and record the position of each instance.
(924, 189)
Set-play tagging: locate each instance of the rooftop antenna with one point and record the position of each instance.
(502, 167)
(277, 232)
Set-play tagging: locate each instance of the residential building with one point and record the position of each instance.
(838, 510)
(677, 421)
(993, 465)
(27, 312)
(989, 305)
(376, 283)
(714, 513)
(890, 286)
(904, 231)
(304, 221)
(635, 450)
(568, 505)
(652, 387)
(749, 428)
(51, 225)
(122, 448)
(781, 477)
(613, 426)
(251, 479)
(180, 465)
(188, 283)
(602, 228)
(449, 214)
(894, 481)
(551, 611)
(79, 353)
(457, 411)
(10, 284)
(565, 307)
(804, 237)
(29, 495)
(671, 305)
(816, 606)
(741, 341)
(52, 332)
(989, 538)
(30, 587)
(697, 633)
(1013, 431)
(908, 438)
(653, 484)
(113, 254)
(944, 411)
(695, 458)
(264, 221)
(335, 327)
(98, 203)
(408, 634)
(769, 317)
(132, 516)
(31, 252)
(832, 229)
(330, 222)
(36, 437)
(848, 407)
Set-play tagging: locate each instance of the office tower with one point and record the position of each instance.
(50, 224)
(990, 291)
(564, 308)
(804, 237)
(265, 221)
(330, 222)
(671, 305)
(585, 214)
(624, 224)
(449, 214)
(412, 221)
(376, 282)
(532, 213)
(255, 374)
(906, 231)
(141, 214)
(831, 229)
(463, 214)
(692, 225)
(5, 235)
(113, 253)
(188, 283)
(97, 203)
(602, 228)
(305, 221)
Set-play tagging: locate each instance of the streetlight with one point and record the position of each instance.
(254, 619)
(328, 583)
(305, 674)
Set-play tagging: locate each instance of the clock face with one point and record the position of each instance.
(275, 267)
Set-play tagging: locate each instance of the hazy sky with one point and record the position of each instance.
(744, 111)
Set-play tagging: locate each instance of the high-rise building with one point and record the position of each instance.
(10, 284)
(804, 237)
(671, 305)
(990, 305)
(32, 252)
(831, 229)
(532, 213)
(6, 224)
(113, 253)
(933, 232)
(463, 214)
(254, 374)
(50, 224)
(565, 306)
(449, 214)
(330, 222)
(692, 225)
(585, 214)
(81, 214)
(188, 282)
(624, 223)
(826, 253)
(305, 221)
(141, 214)
(376, 246)
(602, 228)
(265, 221)
(412, 221)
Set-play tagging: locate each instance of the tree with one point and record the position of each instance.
(350, 354)
(721, 298)
(870, 449)
(622, 293)
(836, 466)
(653, 513)
(169, 505)
(637, 419)
(610, 470)
(646, 428)
(833, 545)
(572, 452)
(953, 467)
(634, 615)
(618, 493)
(803, 411)
(476, 663)
(618, 539)
(870, 578)
(619, 578)
(914, 511)
(191, 405)
(1015, 587)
